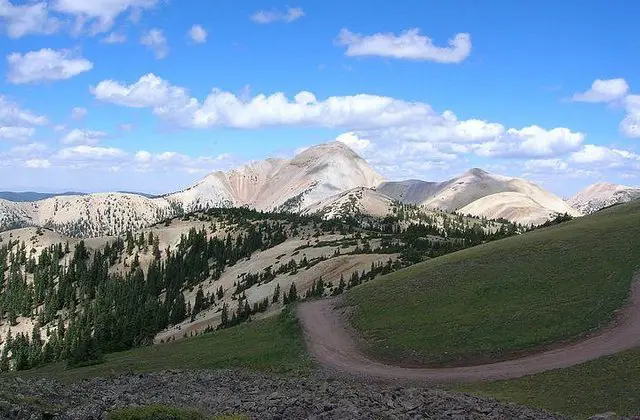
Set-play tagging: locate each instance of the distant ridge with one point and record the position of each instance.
(328, 178)
(26, 196)
(602, 194)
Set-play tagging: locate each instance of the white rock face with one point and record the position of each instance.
(478, 193)
(273, 184)
(601, 195)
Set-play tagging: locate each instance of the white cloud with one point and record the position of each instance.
(89, 153)
(630, 125)
(45, 65)
(101, 14)
(37, 163)
(226, 109)
(114, 38)
(30, 149)
(78, 113)
(16, 133)
(32, 18)
(149, 91)
(532, 141)
(174, 161)
(156, 42)
(370, 120)
(593, 154)
(353, 141)
(86, 137)
(198, 34)
(608, 90)
(143, 156)
(546, 165)
(17, 124)
(409, 45)
(270, 16)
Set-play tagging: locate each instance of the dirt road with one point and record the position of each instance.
(334, 347)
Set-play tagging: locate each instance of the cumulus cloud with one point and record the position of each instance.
(145, 161)
(198, 34)
(115, 38)
(100, 14)
(353, 141)
(532, 141)
(37, 163)
(545, 165)
(373, 124)
(31, 149)
(226, 109)
(32, 18)
(86, 137)
(16, 133)
(45, 65)
(594, 154)
(409, 45)
(89, 153)
(156, 42)
(143, 156)
(270, 16)
(630, 125)
(607, 90)
(17, 124)
(78, 113)
(47, 17)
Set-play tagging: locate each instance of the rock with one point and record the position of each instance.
(255, 395)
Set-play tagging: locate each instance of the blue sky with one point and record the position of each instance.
(165, 91)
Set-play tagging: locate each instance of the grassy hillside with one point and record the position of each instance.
(603, 385)
(274, 344)
(506, 297)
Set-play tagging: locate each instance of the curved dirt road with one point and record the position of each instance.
(332, 346)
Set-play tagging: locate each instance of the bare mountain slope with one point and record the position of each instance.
(601, 195)
(273, 184)
(482, 194)
(411, 191)
(353, 202)
(510, 206)
(315, 174)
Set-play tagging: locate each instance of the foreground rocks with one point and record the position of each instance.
(256, 395)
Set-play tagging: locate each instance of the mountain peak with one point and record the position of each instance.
(477, 172)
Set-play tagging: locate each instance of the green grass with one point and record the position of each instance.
(603, 385)
(503, 298)
(155, 412)
(274, 345)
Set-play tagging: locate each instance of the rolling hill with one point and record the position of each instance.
(501, 299)
(478, 193)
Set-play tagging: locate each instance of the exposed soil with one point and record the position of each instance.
(334, 346)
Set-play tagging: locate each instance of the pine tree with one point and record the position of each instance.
(293, 293)
(276, 294)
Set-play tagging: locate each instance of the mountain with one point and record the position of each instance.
(31, 195)
(351, 203)
(601, 195)
(479, 193)
(270, 185)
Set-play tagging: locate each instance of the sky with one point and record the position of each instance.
(151, 95)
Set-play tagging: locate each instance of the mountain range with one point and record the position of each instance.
(330, 179)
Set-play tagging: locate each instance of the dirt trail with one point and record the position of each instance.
(334, 347)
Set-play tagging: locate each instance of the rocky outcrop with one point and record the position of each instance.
(258, 396)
